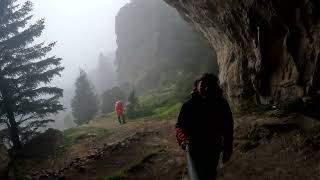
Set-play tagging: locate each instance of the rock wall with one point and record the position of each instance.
(267, 50)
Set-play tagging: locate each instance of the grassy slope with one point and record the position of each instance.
(166, 111)
(72, 135)
(157, 105)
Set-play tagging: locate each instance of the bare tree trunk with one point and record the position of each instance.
(13, 128)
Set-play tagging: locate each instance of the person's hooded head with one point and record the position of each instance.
(208, 86)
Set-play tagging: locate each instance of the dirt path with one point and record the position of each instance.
(265, 148)
(138, 150)
(120, 133)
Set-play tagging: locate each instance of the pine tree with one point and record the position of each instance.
(26, 97)
(133, 104)
(84, 103)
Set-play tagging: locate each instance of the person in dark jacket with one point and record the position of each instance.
(205, 125)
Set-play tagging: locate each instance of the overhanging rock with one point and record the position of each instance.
(268, 51)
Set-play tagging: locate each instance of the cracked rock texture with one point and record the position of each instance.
(267, 50)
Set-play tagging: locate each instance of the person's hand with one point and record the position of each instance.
(184, 144)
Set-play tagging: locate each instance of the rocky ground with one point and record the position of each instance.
(266, 147)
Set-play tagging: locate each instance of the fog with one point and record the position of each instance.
(82, 28)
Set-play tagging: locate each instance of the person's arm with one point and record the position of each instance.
(181, 135)
(227, 132)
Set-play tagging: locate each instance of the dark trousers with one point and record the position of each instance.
(206, 162)
(121, 119)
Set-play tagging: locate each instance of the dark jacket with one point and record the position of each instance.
(206, 124)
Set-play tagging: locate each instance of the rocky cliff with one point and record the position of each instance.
(268, 50)
(156, 46)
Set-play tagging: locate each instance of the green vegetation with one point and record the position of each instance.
(133, 105)
(159, 97)
(154, 105)
(161, 61)
(158, 105)
(71, 136)
(166, 111)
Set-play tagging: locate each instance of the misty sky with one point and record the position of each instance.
(83, 29)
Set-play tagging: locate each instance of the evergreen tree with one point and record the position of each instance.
(26, 98)
(84, 103)
(133, 103)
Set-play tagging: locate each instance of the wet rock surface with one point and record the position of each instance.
(268, 51)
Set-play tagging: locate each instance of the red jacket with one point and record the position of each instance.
(118, 107)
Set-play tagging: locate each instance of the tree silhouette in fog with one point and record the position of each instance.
(133, 103)
(84, 103)
(26, 97)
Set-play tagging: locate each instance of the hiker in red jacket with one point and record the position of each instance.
(205, 125)
(118, 107)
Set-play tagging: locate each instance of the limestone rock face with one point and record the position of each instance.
(267, 50)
